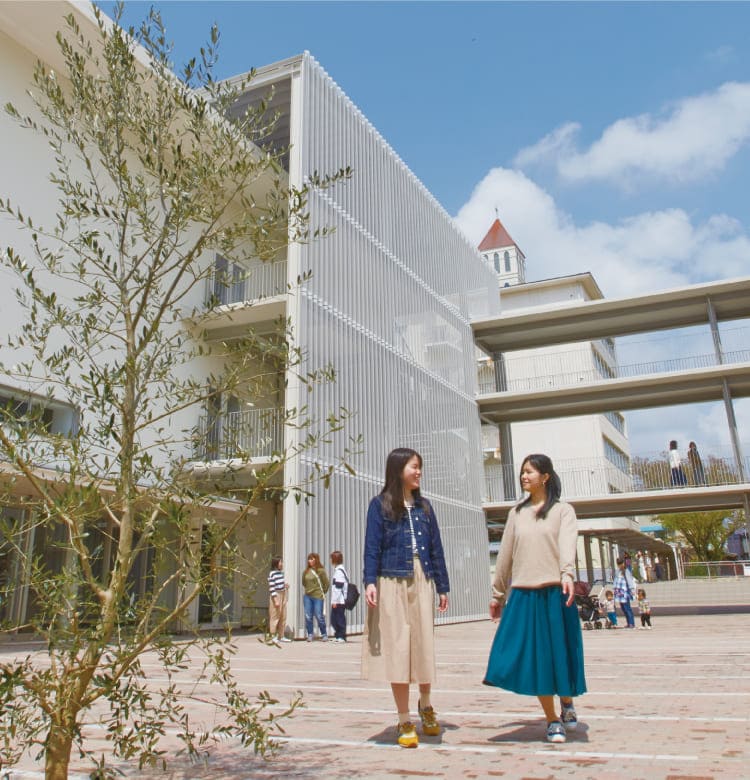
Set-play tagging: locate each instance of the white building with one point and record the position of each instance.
(384, 306)
(590, 452)
(502, 253)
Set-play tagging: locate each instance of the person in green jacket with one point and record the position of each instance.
(315, 582)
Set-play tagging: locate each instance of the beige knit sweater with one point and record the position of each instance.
(534, 553)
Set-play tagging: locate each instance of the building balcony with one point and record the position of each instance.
(514, 376)
(238, 438)
(236, 296)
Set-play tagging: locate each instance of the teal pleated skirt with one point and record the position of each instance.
(538, 647)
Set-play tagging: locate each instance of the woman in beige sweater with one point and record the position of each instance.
(538, 648)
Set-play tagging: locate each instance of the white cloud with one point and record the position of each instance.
(650, 251)
(557, 144)
(695, 137)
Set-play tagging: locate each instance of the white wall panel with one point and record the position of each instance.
(389, 303)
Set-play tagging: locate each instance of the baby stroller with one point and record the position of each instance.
(588, 607)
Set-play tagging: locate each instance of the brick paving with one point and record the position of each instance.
(668, 704)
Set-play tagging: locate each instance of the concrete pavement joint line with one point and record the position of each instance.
(533, 715)
(507, 748)
(473, 691)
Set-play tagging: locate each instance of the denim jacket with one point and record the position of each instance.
(388, 551)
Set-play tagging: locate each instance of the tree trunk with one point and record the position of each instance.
(57, 752)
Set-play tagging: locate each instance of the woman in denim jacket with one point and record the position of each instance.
(404, 566)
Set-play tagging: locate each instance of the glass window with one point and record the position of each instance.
(496, 258)
(506, 257)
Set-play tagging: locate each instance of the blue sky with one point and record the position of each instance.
(612, 137)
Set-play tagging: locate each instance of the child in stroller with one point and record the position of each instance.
(588, 607)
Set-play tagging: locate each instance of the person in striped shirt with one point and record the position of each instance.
(277, 598)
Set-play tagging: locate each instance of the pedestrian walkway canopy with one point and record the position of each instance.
(614, 317)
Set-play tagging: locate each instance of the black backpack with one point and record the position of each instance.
(352, 593)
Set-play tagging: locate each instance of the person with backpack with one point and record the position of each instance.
(339, 588)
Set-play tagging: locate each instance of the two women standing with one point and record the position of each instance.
(538, 648)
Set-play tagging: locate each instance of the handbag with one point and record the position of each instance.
(352, 593)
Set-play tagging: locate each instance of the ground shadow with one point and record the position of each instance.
(533, 731)
(389, 735)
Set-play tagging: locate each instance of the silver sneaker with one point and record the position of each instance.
(568, 717)
(555, 732)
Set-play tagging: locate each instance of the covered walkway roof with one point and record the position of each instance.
(589, 320)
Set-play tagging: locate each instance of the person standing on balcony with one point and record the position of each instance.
(316, 584)
(538, 647)
(404, 568)
(624, 588)
(677, 475)
(278, 589)
(696, 464)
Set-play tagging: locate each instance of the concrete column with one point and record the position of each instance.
(712, 321)
(501, 376)
(510, 492)
(728, 405)
(589, 562)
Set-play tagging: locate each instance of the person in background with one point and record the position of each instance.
(644, 608)
(608, 605)
(649, 566)
(278, 589)
(624, 590)
(404, 569)
(658, 568)
(696, 464)
(538, 648)
(677, 473)
(315, 583)
(641, 562)
(339, 586)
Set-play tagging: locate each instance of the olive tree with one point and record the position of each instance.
(152, 180)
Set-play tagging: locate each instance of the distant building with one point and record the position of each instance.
(502, 253)
(590, 452)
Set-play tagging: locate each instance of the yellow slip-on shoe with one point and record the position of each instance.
(407, 735)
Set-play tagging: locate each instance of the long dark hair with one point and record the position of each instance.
(392, 494)
(553, 488)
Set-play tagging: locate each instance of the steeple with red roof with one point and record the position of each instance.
(504, 255)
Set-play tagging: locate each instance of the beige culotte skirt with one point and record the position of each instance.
(399, 639)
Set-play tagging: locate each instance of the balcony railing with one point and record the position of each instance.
(254, 433)
(598, 477)
(510, 378)
(235, 284)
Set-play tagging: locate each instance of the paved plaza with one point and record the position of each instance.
(668, 704)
